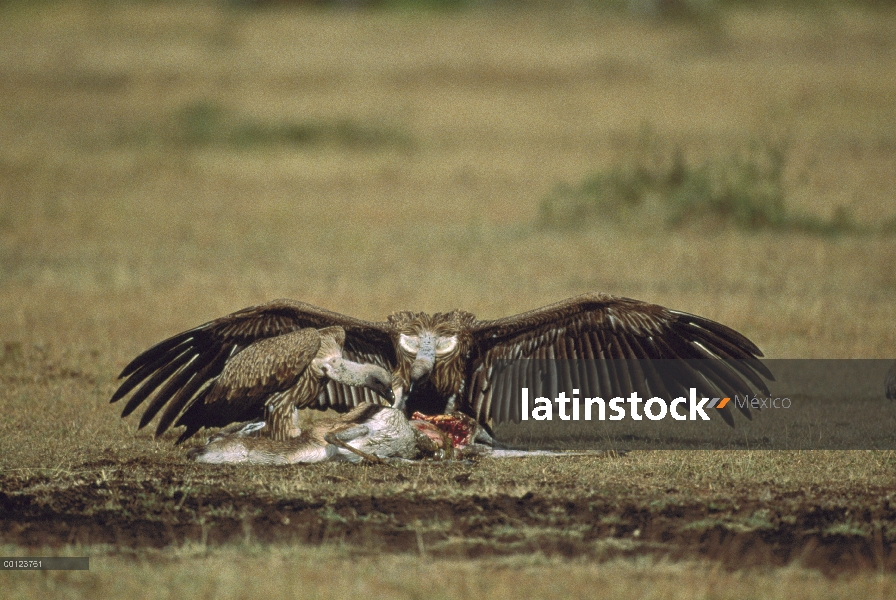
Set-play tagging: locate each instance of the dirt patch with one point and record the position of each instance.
(138, 504)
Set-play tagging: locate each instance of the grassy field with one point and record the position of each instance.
(162, 164)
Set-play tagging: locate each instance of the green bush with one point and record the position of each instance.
(654, 184)
(206, 123)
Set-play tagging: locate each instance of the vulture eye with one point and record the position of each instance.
(409, 343)
(446, 345)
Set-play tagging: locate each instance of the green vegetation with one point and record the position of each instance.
(654, 184)
(204, 123)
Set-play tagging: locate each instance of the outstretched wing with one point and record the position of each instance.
(627, 337)
(265, 380)
(176, 370)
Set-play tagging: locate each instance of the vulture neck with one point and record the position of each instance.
(346, 371)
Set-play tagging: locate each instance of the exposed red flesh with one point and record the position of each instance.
(460, 429)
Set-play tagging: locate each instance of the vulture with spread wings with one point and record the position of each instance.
(439, 363)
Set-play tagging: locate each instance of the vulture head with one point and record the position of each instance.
(431, 357)
(379, 380)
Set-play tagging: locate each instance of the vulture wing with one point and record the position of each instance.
(267, 374)
(622, 334)
(247, 354)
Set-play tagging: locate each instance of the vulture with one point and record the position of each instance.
(258, 359)
(206, 383)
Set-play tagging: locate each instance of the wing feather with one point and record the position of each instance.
(238, 355)
(161, 375)
(645, 356)
(267, 366)
(172, 346)
(628, 346)
(507, 394)
(481, 390)
(137, 376)
(518, 377)
(171, 386)
(182, 398)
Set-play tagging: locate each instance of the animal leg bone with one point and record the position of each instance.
(353, 432)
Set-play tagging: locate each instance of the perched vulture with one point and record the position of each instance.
(439, 363)
(229, 371)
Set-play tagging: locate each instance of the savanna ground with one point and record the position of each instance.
(162, 164)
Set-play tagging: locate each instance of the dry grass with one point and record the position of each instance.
(241, 571)
(116, 230)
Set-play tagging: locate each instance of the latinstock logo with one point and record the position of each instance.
(655, 408)
(604, 402)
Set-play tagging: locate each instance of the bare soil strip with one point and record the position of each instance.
(809, 528)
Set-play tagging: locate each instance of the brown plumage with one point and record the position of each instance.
(219, 373)
(446, 361)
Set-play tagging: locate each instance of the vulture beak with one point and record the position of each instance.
(388, 394)
(424, 361)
